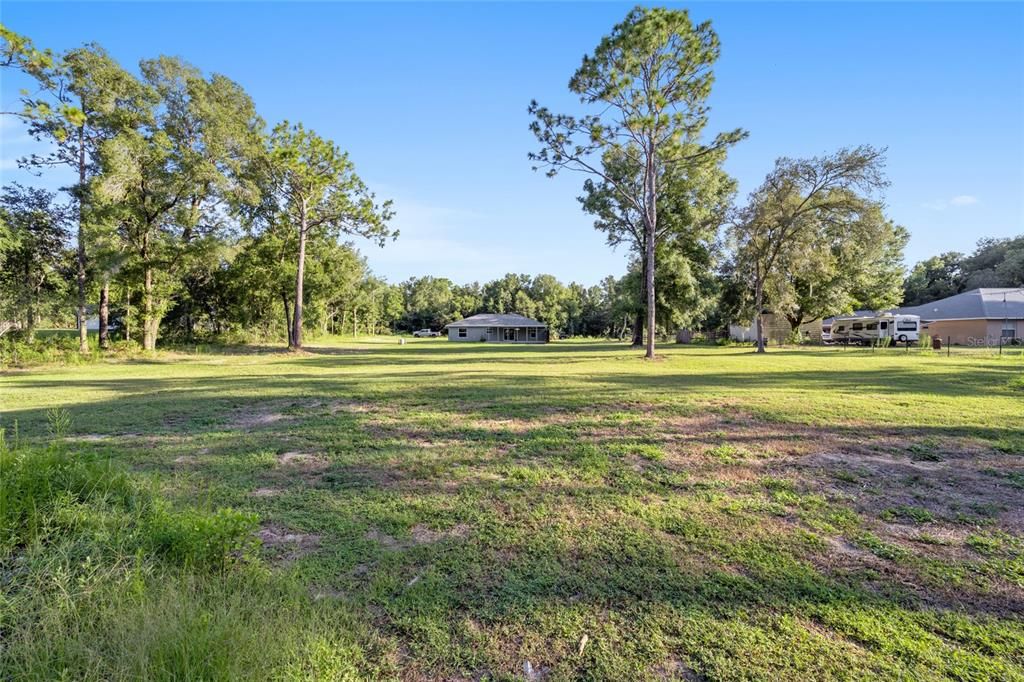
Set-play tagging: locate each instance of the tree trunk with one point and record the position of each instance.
(296, 341)
(105, 313)
(759, 304)
(650, 228)
(83, 333)
(638, 322)
(287, 317)
(149, 321)
(128, 314)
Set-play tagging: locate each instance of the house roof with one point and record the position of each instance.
(973, 305)
(494, 320)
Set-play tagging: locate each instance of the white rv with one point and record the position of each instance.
(866, 330)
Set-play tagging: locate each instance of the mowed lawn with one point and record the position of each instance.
(568, 511)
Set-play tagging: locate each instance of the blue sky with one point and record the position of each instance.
(430, 100)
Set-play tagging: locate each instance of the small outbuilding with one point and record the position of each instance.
(508, 328)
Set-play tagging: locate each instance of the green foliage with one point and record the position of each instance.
(33, 259)
(994, 263)
(654, 176)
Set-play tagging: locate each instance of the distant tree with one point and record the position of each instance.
(19, 52)
(468, 299)
(310, 184)
(548, 298)
(171, 182)
(32, 236)
(429, 302)
(838, 265)
(995, 263)
(796, 199)
(650, 80)
(934, 278)
(694, 203)
(85, 98)
(502, 295)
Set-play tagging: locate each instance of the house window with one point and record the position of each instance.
(1009, 329)
(463, 333)
(509, 334)
(533, 334)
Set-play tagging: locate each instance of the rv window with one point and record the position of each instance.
(857, 326)
(871, 325)
(462, 333)
(883, 325)
(906, 326)
(841, 328)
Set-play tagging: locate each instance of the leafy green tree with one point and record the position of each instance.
(934, 278)
(850, 262)
(694, 201)
(19, 52)
(172, 181)
(502, 295)
(649, 80)
(548, 299)
(429, 302)
(789, 208)
(995, 263)
(85, 98)
(468, 299)
(32, 236)
(311, 185)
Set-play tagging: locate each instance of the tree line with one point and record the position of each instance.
(190, 216)
(176, 179)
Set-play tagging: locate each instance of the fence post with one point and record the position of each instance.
(947, 346)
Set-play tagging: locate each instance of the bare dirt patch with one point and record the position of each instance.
(420, 535)
(953, 489)
(88, 437)
(302, 461)
(265, 492)
(287, 544)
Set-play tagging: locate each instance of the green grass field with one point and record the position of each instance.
(570, 511)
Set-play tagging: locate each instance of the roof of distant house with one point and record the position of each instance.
(493, 320)
(989, 304)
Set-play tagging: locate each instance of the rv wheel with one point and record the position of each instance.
(903, 338)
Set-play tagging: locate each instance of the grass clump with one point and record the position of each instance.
(104, 579)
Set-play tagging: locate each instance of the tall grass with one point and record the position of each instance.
(101, 578)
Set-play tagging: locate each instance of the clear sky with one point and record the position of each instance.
(430, 100)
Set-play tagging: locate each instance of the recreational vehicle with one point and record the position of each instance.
(866, 330)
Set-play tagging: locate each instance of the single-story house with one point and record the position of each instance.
(510, 328)
(979, 317)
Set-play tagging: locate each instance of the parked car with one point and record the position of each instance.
(425, 333)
